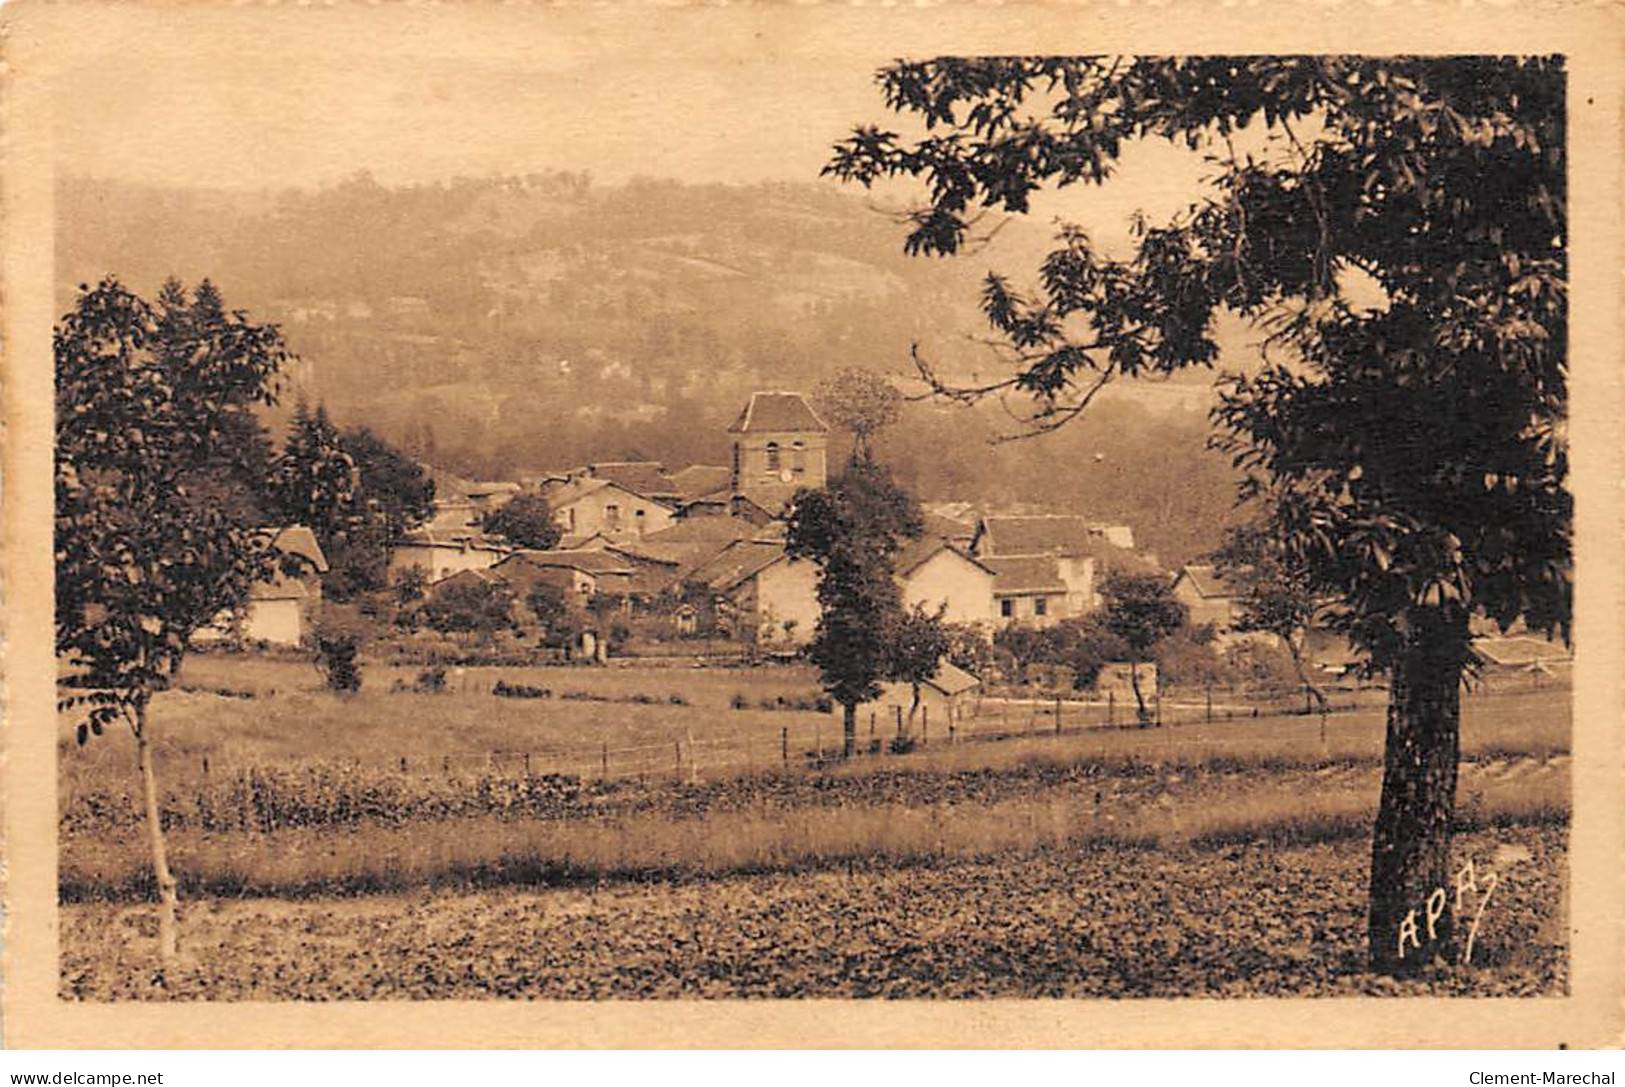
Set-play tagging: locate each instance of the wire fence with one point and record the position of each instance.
(812, 739)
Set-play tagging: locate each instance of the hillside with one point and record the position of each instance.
(507, 324)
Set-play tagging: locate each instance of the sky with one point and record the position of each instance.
(265, 99)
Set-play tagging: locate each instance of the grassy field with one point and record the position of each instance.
(748, 826)
(291, 720)
(309, 816)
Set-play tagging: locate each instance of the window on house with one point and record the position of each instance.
(798, 458)
(637, 519)
(570, 518)
(1040, 605)
(1007, 608)
(772, 456)
(736, 465)
(612, 515)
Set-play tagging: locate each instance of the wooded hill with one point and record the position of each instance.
(503, 325)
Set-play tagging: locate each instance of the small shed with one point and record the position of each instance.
(1116, 678)
(946, 697)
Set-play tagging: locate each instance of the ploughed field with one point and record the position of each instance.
(1223, 858)
(1074, 921)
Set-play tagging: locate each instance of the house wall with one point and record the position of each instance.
(785, 590)
(1024, 609)
(591, 514)
(278, 621)
(751, 460)
(442, 560)
(1220, 611)
(948, 578)
(1079, 576)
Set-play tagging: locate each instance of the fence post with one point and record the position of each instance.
(950, 733)
(899, 711)
(677, 759)
(784, 745)
(205, 766)
(603, 757)
(445, 764)
(871, 729)
(925, 725)
(527, 764)
(1111, 707)
(1210, 701)
(1057, 715)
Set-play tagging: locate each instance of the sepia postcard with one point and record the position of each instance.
(828, 525)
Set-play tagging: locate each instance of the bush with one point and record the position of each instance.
(739, 702)
(503, 689)
(336, 659)
(902, 745)
(469, 606)
(432, 680)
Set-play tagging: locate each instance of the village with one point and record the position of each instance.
(651, 563)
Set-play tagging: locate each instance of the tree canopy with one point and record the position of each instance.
(1415, 447)
(860, 402)
(526, 520)
(151, 401)
(853, 529)
(1411, 448)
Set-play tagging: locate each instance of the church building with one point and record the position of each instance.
(779, 446)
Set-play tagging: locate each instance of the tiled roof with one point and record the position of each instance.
(592, 561)
(916, 553)
(461, 538)
(1041, 534)
(699, 480)
(1056, 534)
(951, 679)
(736, 564)
(772, 412)
(701, 530)
(1520, 650)
(948, 528)
(1024, 574)
(301, 541)
(645, 477)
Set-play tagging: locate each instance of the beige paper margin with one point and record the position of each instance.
(41, 39)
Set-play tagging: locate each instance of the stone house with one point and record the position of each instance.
(1210, 597)
(934, 573)
(774, 598)
(281, 610)
(440, 554)
(585, 507)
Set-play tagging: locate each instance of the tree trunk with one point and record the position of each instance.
(168, 940)
(1410, 919)
(849, 729)
(1139, 699)
(1295, 650)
